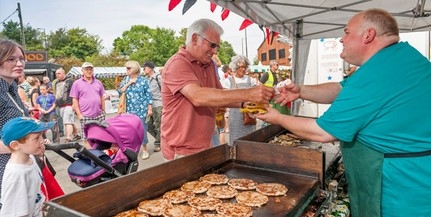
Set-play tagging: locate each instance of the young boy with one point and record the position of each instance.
(45, 102)
(21, 188)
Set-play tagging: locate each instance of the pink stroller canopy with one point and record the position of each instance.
(124, 129)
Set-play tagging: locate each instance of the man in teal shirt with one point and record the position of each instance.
(381, 116)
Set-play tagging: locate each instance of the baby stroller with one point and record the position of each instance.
(115, 145)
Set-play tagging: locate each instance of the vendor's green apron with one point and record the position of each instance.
(363, 169)
(282, 109)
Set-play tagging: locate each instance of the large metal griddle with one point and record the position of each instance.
(331, 151)
(299, 169)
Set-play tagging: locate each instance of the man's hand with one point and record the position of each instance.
(287, 94)
(261, 94)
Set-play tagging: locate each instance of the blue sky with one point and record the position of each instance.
(109, 18)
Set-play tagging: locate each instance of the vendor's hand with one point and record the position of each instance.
(287, 94)
(271, 116)
(261, 94)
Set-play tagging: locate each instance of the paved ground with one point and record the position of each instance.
(60, 164)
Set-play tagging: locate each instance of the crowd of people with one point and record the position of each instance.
(369, 111)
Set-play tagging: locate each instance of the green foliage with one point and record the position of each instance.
(74, 42)
(71, 47)
(141, 43)
(33, 37)
(107, 60)
(11, 30)
(225, 52)
(108, 83)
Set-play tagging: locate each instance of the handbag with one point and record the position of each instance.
(122, 103)
(247, 120)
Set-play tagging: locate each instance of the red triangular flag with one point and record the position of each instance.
(224, 14)
(245, 24)
(274, 34)
(213, 7)
(267, 35)
(173, 4)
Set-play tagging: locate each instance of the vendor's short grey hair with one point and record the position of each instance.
(236, 60)
(200, 27)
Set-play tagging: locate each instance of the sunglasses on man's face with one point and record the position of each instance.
(212, 44)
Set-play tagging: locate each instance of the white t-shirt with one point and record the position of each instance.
(227, 85)
(21, 190)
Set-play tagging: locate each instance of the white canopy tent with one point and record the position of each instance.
(100, 72)
(303, 20)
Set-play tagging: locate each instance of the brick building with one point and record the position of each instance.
(278, 51)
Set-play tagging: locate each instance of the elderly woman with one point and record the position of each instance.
(238, 80)
(139, 99)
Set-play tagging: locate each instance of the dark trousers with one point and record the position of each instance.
(154, 125)
(54, 129)
(59, 121)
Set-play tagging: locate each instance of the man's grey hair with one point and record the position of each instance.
(200, 27)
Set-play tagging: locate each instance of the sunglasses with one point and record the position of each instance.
(212, 44)
(128, 68)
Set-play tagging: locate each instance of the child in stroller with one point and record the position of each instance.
(115, 145)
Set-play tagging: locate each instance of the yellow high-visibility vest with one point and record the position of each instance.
(270, 81)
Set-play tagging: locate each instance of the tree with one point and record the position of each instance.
(225, 52)
(33, 37)
(142, 43)
(74, 42)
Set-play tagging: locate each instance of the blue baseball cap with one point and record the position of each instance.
(17, 128)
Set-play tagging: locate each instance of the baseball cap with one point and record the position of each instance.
(87, 64)
(17, 128)
(149, 64)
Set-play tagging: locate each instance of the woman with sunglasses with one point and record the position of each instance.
(139, 98)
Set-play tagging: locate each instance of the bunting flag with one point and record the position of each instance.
(245, 24)
(213, 6)
(187, 5)
(224, 13)
(268, 32)
(274, 34)
(173, 4)
(270, 35)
